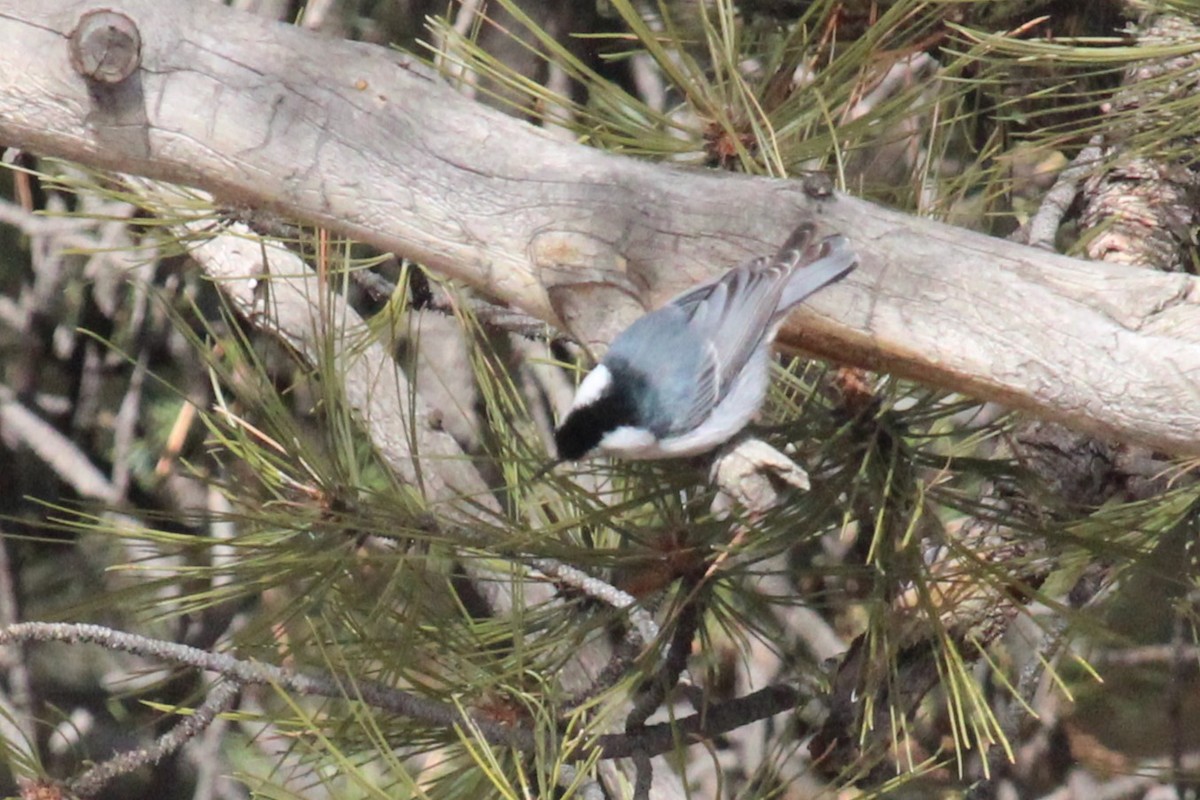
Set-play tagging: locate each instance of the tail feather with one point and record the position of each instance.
(832, 260)
(797, 245)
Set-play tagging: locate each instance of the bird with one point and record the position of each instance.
(686, 378)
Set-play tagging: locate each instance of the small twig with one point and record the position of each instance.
(16, 668)
(664, 737)
(1043, 227)
(644, 780)
(373, 694)
(497, 317)
(506, 319)
(902, 75)
(643, 631)
(657, 689)
(490, 315)
(623, 655)
(651, 741)
(373, 283)
(206, 757)
(125, 428)
(58, 452)
(93, 780)
(33, 224)
(643, 624)
(1148, 655)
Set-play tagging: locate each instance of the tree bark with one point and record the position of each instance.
(371, 144)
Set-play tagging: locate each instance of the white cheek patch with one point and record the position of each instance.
(627, 441)
(593, 385)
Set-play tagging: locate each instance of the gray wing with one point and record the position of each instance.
(734, 315)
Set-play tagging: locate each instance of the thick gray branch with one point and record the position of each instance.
(364, 141)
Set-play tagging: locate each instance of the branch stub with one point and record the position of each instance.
(105, 47)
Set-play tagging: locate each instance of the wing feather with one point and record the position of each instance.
(734, 314)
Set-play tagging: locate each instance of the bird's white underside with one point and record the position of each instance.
(627, 441)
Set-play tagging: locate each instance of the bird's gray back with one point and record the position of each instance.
(659, 352)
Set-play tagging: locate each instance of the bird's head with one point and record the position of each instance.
(603, 417)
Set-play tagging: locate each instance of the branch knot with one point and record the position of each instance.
(105, 47)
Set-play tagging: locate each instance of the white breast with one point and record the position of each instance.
(629, 442)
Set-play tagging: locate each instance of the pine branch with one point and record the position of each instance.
(305, 315)
(650, 740)
(93, 781)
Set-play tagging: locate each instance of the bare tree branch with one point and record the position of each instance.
(650, 740)
(57, 451)
(370, 144)
(93, 781)
(17, 704)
